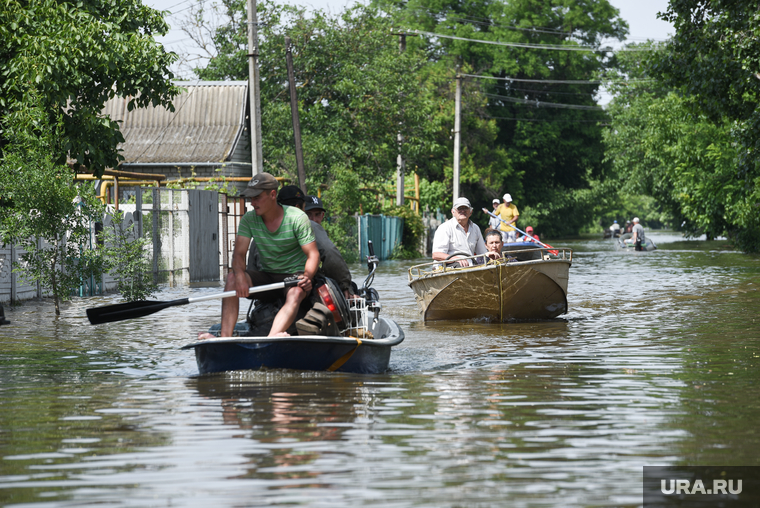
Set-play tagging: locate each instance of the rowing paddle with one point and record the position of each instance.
(555, 252)
(132, 310)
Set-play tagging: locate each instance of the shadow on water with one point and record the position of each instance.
(656, 363)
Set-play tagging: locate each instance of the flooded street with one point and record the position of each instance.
(656, 363)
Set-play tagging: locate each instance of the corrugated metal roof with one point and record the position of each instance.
(206, 125)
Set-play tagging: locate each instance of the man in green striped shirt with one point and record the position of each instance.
(286, 246)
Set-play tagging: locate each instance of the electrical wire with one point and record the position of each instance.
(556, 47)
(540, 104)
(557, 81)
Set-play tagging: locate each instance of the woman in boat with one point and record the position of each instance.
(458, 235)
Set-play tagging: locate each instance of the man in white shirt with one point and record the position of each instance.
(638, 234)
(458, 235)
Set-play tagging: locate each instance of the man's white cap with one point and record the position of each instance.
(462, 202)
(507, 198)
(496, 200)
(635, 220)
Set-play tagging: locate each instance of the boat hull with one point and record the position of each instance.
(505, 292)
(321, 353)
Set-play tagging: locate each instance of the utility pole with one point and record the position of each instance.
(257, 158)
(400, 162)
(457, 128)
(296, 122)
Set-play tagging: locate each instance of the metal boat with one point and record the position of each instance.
(351, 337)
(528, 283)
(625, 243)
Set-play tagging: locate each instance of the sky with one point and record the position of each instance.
(641, 16)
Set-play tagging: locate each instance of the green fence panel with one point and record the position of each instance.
(385, 233)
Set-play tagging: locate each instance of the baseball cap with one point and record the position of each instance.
(495, 200)
(290, 192)
(462, 202)
(529, 228)
(507, 198)
(313, 203)
(260, 183)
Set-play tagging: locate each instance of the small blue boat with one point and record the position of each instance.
(351, 336)
(300, 352)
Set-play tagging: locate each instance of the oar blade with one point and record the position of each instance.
(129, 310)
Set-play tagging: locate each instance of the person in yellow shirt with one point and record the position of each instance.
(508, 213)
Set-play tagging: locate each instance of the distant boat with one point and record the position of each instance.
(530, 283)
(625, 243)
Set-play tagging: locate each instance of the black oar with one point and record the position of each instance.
(132, 310)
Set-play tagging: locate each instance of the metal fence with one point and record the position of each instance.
(191, 237)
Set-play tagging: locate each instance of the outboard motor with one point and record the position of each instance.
(369, 294)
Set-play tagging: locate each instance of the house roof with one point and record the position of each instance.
(206, 126)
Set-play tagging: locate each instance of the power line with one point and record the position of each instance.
(540, 104)
(551, 92)
(558, 120)
(557, 81)
(179, 3)
(556, 47)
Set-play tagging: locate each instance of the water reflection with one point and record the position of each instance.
(654, 364)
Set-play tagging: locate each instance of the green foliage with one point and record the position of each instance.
(713, 59)
(127, 259)
(219, 184)
(342, 201)
(49, 215)
(411, 236)
(535, 154)
(76, 55)
(356, 92)
(662, 145)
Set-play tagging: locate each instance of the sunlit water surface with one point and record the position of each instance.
(656, 363)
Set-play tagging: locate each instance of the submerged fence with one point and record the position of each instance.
(191, 238)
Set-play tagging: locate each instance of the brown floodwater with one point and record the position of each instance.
(656, 363)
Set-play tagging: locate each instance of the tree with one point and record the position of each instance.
(661, 145)
(356, 94)
(76, 55)
(127, 259)
(714, 59)
(548, 156)
(49, 216)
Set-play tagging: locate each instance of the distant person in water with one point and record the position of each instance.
(638, 237)
(458, 235)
